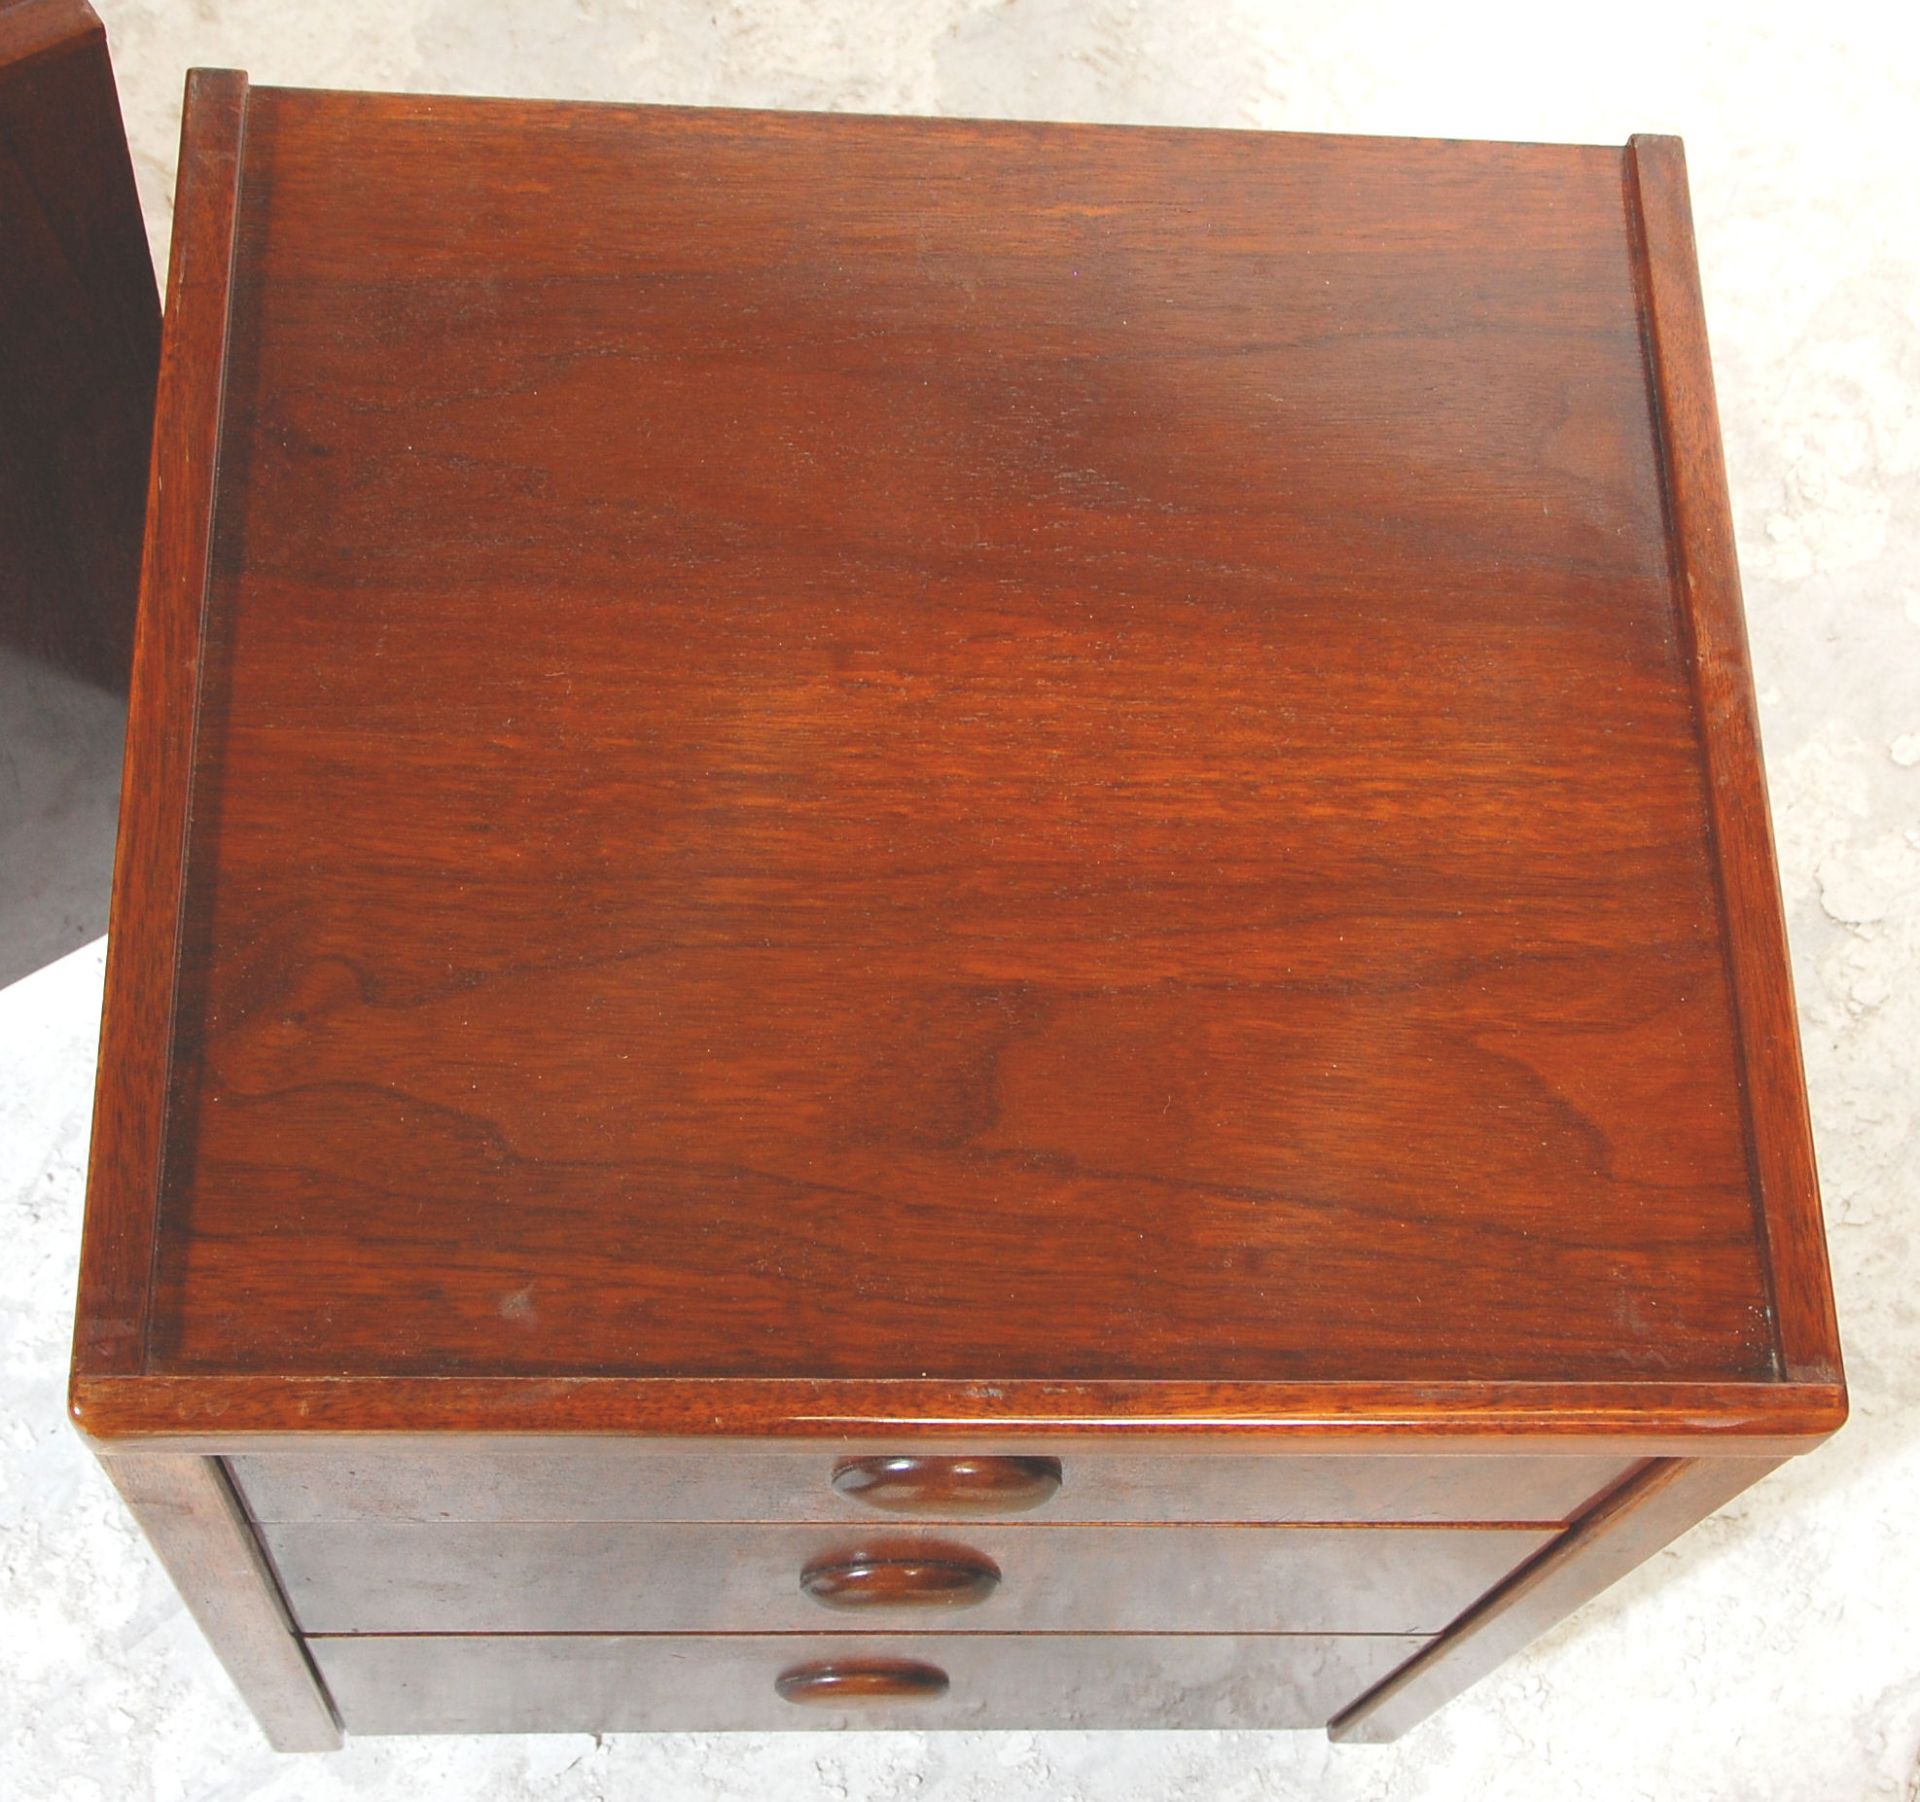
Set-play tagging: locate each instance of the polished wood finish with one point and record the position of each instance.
(1642, 1419)
(1645, 1515)
(840, 816)
(187, 1510)
(723, 1577)
(1144, 1479)
(1083, 1047)
(872, 1679)
(944, 1486)
(584, 1683)
(137, 1032)
(1709, 581)
(77, 362)
(1538, 1007)
(903, 1574)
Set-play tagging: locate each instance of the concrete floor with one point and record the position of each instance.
(1773, 1653)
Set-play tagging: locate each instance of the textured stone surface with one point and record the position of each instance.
(1773, 1652)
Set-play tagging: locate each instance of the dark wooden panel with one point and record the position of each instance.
(711, 1482)
(77, 362)
(618, 1577)
(589, 1684)
(1089, 776)
(79, 355)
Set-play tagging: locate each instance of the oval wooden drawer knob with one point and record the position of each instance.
(863, 1680)
(950, 1485)
(916, 1577)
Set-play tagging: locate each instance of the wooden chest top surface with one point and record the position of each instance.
(836, 750)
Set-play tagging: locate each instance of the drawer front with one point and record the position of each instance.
(614, 1481)
(599, 1684)
(613, 1577)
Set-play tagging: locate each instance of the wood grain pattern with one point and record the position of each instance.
(620, 1577)
(1143, 1479)
(583, 1683)
(813, 788)
(187, 1511)
(1625, 1530)
(77, 361)
(136, 1042)
(1640, 1420)
(951, 869)
(1708, 572)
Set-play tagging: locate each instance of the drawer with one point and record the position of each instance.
(612, 1481)
(619, 1577)
(591, 1683)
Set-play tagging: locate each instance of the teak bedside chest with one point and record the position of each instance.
(932, 923)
